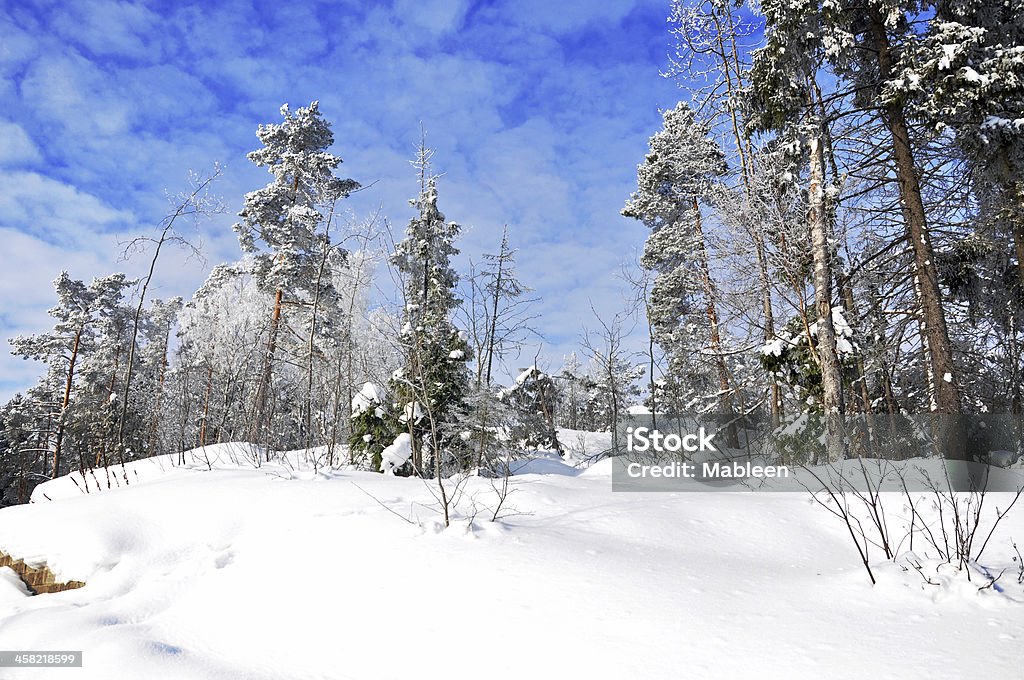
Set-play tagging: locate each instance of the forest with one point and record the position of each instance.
(836, 227)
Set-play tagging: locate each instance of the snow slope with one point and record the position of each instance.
(276, 573)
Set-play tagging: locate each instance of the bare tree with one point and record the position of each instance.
(198, 202)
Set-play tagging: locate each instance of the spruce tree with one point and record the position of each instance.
(373, 427)
(431, 386)
(534, 398)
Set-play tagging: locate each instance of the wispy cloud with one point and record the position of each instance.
(539, 112)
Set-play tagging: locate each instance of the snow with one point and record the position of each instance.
(528, 373)
(412, 411)
(774, 348)
(844, 333)
(396, 454)
(12, 590)
(228, 570)
(369, 396)
(948, 56)
(994, 122)
(972, 76)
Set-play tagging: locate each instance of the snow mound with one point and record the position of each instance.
(396, 454)
(184, 571)
(602, 468)
(228, 455)
(550, 464)
(12, 589)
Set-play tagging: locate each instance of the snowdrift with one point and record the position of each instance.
(218, 568)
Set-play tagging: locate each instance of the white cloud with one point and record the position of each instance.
(16, 148)
(110, 27)
(53, 211)
(75, 93)
(526, 131)
(566, 15)
(437, 16)
(27, 290)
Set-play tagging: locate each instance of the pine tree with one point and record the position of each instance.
(75, 338)
(22, 450)
(430, 387)
(966, 74)
(533, 396)
(288, 215)
(679, 171)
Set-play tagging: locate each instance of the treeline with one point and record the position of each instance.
(286, 348)
(836, 210)
(836, 227)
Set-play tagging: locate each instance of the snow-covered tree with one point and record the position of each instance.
(86, 315)
(679, 171)
(291, 216)
(796, 111)
(966, 75)
(23, 449)
(431, 385)
(373, 427)
(534, 396)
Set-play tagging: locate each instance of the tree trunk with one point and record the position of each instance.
(827, 353)
(650, 356)
(493, 330)
(949, 436)
(310, 341)
(850, 306)
(134, 336)
(64, 404)
(710, 293)
(940, 352)
(206, 404)
(731, 68)
(268, 368)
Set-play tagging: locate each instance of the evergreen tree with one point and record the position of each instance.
(431, 386)
(71, 347)
(534, 397)
(288, 215)
(966, 74)
(680, 170)
(22, 449)
(373, 427)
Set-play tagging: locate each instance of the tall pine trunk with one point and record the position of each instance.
(59, 439)
(949, 437)
(940, 351)
(266, 374)
(827, 353)
(710, 293)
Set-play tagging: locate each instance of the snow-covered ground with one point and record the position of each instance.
(219, 569)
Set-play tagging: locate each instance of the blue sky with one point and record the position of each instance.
(539, 112)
